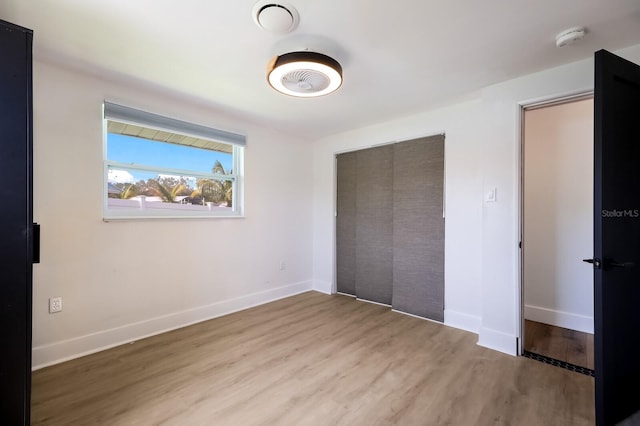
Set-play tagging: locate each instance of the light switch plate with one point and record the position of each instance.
(491, 195)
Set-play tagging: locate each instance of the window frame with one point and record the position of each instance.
(166, 124)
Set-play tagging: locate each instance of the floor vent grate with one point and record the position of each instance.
(558, 363)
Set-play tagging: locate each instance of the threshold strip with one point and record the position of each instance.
(558, 363)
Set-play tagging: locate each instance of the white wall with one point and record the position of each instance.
(462, 203)
(123, 280)
(558, 215)
(482, 142)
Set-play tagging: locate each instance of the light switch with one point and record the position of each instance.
(491, 195)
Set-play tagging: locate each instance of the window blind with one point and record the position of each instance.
(131, 115)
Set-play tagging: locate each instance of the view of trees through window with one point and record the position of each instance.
(155, 173)
(174, 189)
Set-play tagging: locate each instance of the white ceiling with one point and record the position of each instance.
(398, 57)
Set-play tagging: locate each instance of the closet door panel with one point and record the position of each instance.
(374, 224)
(418, 227)
(346, 223)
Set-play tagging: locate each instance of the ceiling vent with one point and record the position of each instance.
(276, 17)
(304, 74)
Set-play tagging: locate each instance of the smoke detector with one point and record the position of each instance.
(304, 74)
(276, 17)
(570, 36)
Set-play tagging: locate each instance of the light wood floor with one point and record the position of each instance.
(563, 344)
(311, 359)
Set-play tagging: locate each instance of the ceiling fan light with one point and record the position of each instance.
(304, 74)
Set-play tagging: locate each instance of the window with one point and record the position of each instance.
(156, 166)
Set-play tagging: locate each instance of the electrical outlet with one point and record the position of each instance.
(282, 265)
(55, 305)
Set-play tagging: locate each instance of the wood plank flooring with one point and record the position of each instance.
(310, 359)
(562, 344)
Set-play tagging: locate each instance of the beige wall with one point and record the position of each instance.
(123, 280)
(558, 215)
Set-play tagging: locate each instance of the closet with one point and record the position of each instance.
(390, 225)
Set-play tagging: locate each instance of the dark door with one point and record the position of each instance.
(617, 237)
(15, 223)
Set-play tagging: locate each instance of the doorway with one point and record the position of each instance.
(557, 232)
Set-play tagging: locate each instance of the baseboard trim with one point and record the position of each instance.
(559, 318)
(462, 321)
(325, 287)
(57, 352)
(498, 341)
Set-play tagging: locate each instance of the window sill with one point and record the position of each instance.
(125, 218)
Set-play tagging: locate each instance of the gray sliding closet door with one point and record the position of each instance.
(346, 223)
(374, 224)
(418, 227)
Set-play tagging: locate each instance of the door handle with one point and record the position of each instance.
(614, 264)
(609, 263)
(596, 262)
(36, 243)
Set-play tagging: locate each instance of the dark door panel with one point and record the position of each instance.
(616, 237)
(16, 251)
